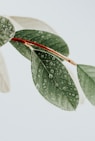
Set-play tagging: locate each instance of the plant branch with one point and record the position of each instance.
(30, 43)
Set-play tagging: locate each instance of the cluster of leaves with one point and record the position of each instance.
(49, 73)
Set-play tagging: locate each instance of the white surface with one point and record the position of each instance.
(24, 114)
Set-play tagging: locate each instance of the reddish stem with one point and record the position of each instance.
(29, 43)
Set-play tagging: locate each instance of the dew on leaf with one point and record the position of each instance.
(39, 53)
(51, 63)
(42, 36)
(39, 70)
(44, 86)
(47, 61)
(52, 71)
(53, 58)
(56, 84)
(77, 96)
(40, 32)
(73, 94)
(60, 71)
(37, 85)
(70, 83)
(45, 80)
(69, 93)
(75, 89)
(62, 82)
(50, 76)
(65, 76)
(46, 55)
(38, 75)
(64, 88)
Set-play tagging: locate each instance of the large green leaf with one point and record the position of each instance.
(6, 30)
(51, 40)
(86, 75)
(53, 81)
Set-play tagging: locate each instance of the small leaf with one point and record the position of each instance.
(53, 81)
(86, 75)
(4, 80)
(31, 23)
(51, 40)
(6, 30)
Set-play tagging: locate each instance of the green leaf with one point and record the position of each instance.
(53, 81)
(86, 75)
(51, 40)
(6, 30)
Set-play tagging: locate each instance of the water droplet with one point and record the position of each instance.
(74, 99)
(43, 84)
(62, 82)
(42, 56)
(52, 71)
(40, 32)
(75, 89)
(44, 87)
(39, 70)
(54, 64)
(56, 84)
(53, 58)
(64, 88)
(65, 76)
(51, 63)
(45, 56)
(69, 93)
(71, 99)
(45, 80)
(77, 96)
(57, 74)
(47, 61)
(73, 94)
(38, 76)
(50, 76)
(70, 83)
(42, 36)
(60, 71)
(37, 85)
(39, 53)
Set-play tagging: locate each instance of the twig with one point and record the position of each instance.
(30, 43)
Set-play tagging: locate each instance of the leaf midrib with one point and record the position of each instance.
(54, 79)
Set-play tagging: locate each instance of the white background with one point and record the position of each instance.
(24, 114)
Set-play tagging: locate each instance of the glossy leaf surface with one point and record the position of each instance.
(53, 81)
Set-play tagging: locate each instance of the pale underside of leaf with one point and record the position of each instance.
(4, 79)
(53, 81)
(50, 40)
(31, 23)
(86, 75)
(7, 30)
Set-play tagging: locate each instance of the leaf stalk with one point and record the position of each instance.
(30, 43)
